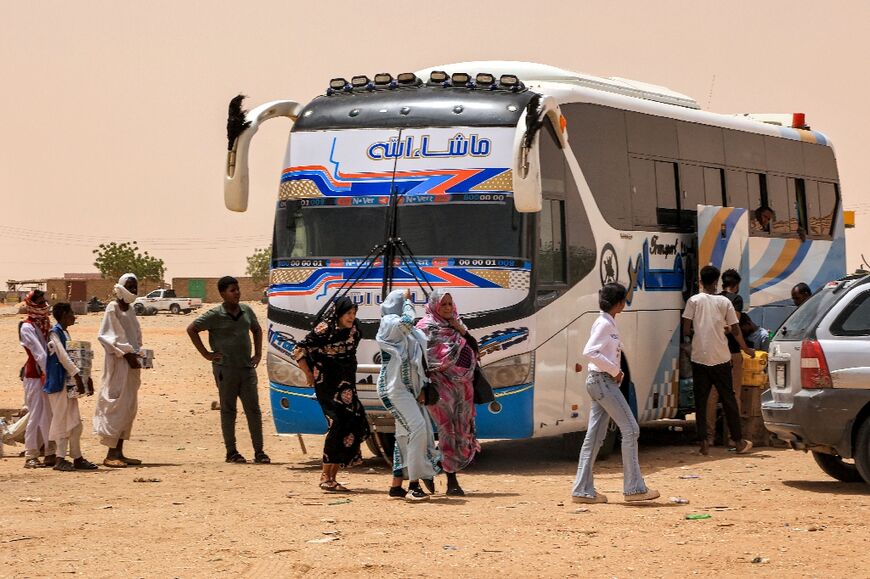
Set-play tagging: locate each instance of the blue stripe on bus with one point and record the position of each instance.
(768, 258)
(304, 416)
(796, 261)
(721, 245)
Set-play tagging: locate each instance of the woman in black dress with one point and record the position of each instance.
(327, 356)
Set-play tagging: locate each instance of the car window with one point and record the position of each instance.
(169, 294)
(854, 320)
(154, 294)
(805, 318)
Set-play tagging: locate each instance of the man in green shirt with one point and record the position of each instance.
(235, 369)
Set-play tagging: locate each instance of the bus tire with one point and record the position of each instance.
(386, 441)
(373, 446)
(572, 442)
(609, 444)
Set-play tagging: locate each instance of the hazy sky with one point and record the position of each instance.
(115, 112)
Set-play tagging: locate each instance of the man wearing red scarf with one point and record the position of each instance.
(33, 333)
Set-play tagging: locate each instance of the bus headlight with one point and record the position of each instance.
(283, 372)
(511, 371)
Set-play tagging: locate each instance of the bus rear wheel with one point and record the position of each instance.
(385, 442)
(572, 442)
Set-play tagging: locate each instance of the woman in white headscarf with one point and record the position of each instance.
(118, 401)
(400, 387)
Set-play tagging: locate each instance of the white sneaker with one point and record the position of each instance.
(747, 446)
(647, 496)
(598, 498)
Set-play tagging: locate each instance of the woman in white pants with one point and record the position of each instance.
(604, 350)
(400, 385)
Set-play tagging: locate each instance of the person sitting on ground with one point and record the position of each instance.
(764, 215)
(755, 336)
(800, 293)
(66, 420)
(604, 351)
(118, 400)
(234, 368)
(706, 314)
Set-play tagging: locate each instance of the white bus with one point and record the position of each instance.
(523, 188)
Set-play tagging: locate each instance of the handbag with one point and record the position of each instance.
(430, 394)
(483, 393)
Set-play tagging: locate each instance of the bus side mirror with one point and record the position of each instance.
(236, 169)
(526, 160)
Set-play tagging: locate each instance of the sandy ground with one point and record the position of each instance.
(207, 518)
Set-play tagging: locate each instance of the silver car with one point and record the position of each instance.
(819, 369)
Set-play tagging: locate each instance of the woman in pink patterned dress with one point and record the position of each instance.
(451, 361)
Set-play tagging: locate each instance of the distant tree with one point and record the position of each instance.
(258, 265)
(116, 259)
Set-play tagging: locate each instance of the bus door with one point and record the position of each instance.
(723, 241)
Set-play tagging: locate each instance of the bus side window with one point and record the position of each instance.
(667, 195)
(714, 183)
(797, 205)
(829, 194)
(777, 199)
(737, 190)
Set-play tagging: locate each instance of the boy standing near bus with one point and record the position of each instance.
(706, 315)
(731, 290)
(235, 369)
(66, 421)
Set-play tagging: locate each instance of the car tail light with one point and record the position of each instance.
(814, 366)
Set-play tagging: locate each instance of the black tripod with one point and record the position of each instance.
(391, 250)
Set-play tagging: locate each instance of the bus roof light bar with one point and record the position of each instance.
(409, 79)
(383, 79)
(460, 79)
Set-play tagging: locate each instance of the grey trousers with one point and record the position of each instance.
(233, 384)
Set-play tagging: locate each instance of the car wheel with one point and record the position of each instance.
(139, 309)
(862, 450)
(175, 309)
(836, 467)
(150, 311)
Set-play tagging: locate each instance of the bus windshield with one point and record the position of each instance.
(455, 229)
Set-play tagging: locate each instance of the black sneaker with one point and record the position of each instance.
(81, 463)
(49, 460)
(429, 483)
(455, 491)
(416, 494)
(63, 465)
(262, 458)
(397, 493)
(236, 457)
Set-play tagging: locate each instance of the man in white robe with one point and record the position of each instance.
(118, 401)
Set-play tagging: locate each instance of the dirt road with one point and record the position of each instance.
(773, 513)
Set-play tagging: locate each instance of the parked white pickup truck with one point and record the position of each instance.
(163, 300)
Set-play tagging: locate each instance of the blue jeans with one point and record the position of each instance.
(608, 402)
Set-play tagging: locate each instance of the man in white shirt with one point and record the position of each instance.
(707, 314)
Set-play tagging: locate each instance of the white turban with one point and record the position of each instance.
(122, 292)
